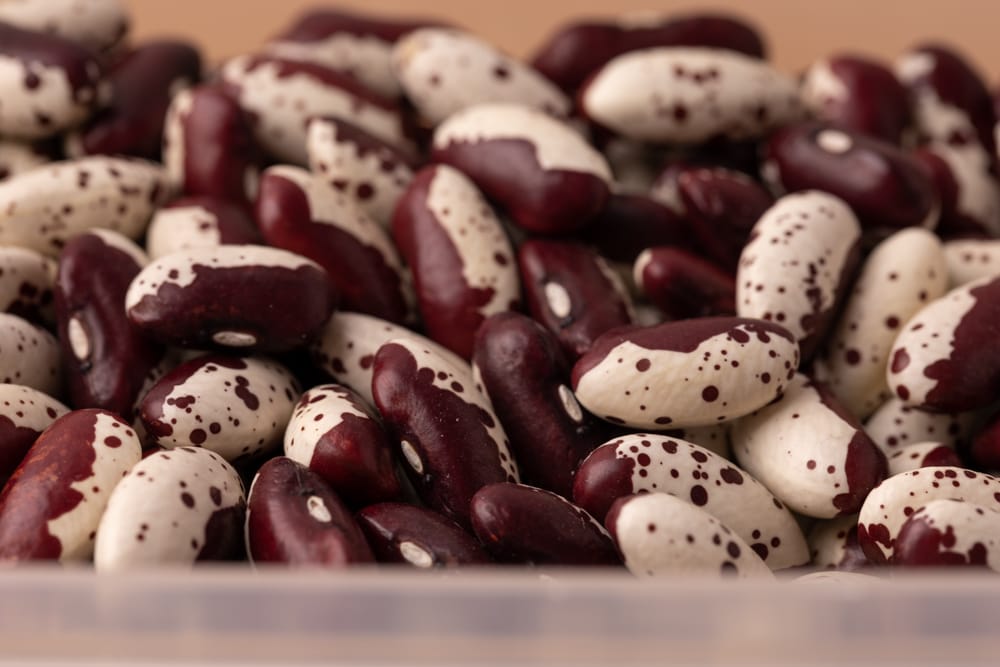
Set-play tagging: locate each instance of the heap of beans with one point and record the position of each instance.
(643, 301)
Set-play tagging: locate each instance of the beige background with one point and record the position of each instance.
(799, 31)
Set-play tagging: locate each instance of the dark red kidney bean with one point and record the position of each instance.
(62, 85)
(199, 221)
(302, 213)
(52, 504)
(577, 50)
(683, 285)
(525, 374)
(335, 435)
(26, 284)
(630, 223)
(107, 358)
(142, 84)
(98, 25)
(572, 292)
(721, 206)
(539, 169)
(524, 524)
(967, 189)
(462, 261)
(450, 440)
(400, 533)
(885, 187)
(984, 449)
(294, 517)
(951, 103)
(208, 147)
(252, 298)
(321, 23)
(947, 357)
(24, 414)
(858, 94)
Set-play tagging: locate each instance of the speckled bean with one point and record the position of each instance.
(967, 189)
(196, 222)
(96, 24)
(922, 455)
(18, 157)
(969, 260)
(29, 355)
(24, 414)
(833, 545)
(26, 283)
(895, 424)
(948, 532)
(417, 536)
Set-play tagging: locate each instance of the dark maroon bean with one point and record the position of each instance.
(630, 223)
(450, 439)
(683, 285)
(107, 358)
(966, 187)
(198, 221)
(248, 297)
(335, 435)
(208, 147)
(858, 94)
(52, 504)
(400, 533)
(577, 50)
(142, 83)
(462, 261)
(294, 517)
(62, 84)
(886, 188)
(539, 169)
(572, 292)
(984, 450)
(525, 374)
(523, 524)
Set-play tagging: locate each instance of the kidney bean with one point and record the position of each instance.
(142, 83)
(281, 95)
(18, 157)
(572, 292)
(728, 367)
(798, 264)
(298, 211)
(106, 358)
(858, 94)
(198, 222)
(720, 207)
(227, 297)
(400, 533)
(653, 463)
(659, 534)
(818, 477)
(984, 449)
(890, 504)
(347, 346)
(949, 533)
(968, 190)
(896, 424)
(951, 103)
(208, 146)
(630, 223)
(295, 518)
(462, 262)
(26, 284)
(922, 455)
(683, 285)
(444, 71)
(173, 508)
(688, 95)
(833, 545)
(354, 43)
(525, 375)
(450, 439)
(969, 260)
(372, 173)
(44, 208)
(578, 49)
(49, 85)
(334, 434)
(525, 524)
(901, 275)
(885, 187)
(29, 355)
(24, 414)
(51, 506)
(947, 358)
(98, 25)
(539, 169)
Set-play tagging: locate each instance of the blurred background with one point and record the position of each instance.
(798, 31)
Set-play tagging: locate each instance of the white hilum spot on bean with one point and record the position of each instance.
(79, 341)
(415, 554)
(234, 338)
(570, 404)
(558, 299)
(318, 510)
(834, 142)
(411, 456)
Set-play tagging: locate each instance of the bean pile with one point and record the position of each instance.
(643, 301)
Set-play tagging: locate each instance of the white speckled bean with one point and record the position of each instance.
(96, 24)
(950, 532)
(896, 425)
(29, 355)
(24, 414)
(26, 283)
(921, 455)
(969, 260)
(365, 57)
(833, 544)
(16, 157)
